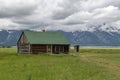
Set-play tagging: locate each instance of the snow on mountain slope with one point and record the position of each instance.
(9, 37)
(94, 38)
(111, 27)
(104, 27)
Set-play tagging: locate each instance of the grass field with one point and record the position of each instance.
(89, 64)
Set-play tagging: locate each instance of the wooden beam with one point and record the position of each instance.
(51, 49)
(46, 48)
(59, 49)
(29, 48)
(63, 49)
(17, 47)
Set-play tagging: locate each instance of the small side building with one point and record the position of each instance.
(76, 47)
(42, 42)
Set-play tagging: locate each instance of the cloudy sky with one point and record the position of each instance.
(68, 15)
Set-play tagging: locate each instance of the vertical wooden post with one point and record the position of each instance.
(59, 49)
(55, 49)
(51, 49)
(47, 48)
(68, 48)
(17, 47)
(29, 48)
(63, 49)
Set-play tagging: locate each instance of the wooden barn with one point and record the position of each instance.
(42, 42)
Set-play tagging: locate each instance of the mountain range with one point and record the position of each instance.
(92, 36)
(9, 37)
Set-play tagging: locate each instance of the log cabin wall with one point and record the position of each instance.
(60, 49)
(38, 48)
(23, 44)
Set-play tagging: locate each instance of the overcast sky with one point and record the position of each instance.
(68, 15)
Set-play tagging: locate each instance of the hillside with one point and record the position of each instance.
(9, 37)
(95, 38)
(92, 36)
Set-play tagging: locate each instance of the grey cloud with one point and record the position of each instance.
(17, 11)
(61, 14)
(73, 23)
(90, 5)
(64, 13)
(24, 21)
(68, 8)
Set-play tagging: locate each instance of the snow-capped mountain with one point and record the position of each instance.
(102, 35)
(9, 37)
(104, 27)
(96, 38)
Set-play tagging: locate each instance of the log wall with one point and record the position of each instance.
(23, 45)
(36, 48)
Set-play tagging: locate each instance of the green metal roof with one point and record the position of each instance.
(46, 37)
